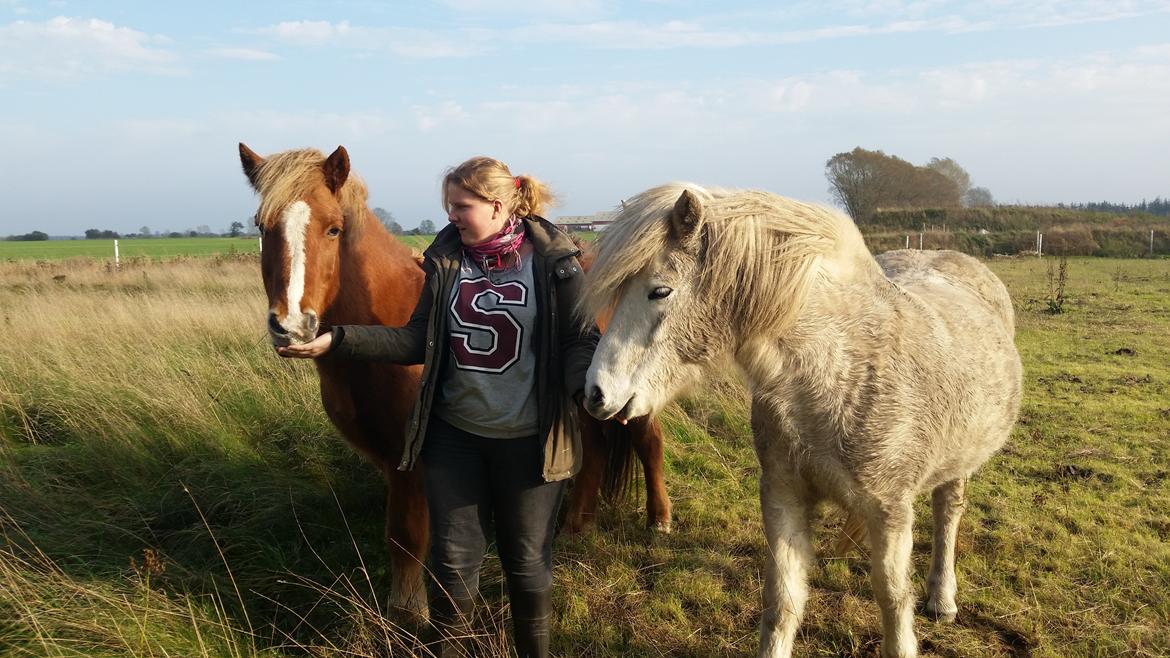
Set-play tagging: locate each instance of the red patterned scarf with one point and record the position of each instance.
(496, 252)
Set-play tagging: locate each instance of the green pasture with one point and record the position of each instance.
(169, 487)
(151, 248)
(154, 248)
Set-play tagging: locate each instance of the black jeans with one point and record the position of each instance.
(472, 481)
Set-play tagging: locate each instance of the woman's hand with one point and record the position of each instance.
(310, 350)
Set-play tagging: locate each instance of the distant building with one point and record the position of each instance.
(595, 222)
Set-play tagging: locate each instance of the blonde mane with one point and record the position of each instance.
(759, 251)
(293, 175)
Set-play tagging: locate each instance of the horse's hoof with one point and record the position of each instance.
(662, 527)
(941, 616)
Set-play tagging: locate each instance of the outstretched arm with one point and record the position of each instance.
(404, 345)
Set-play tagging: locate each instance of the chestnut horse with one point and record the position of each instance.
(326, 260)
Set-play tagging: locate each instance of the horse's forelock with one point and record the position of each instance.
(755, 241)
(291, 176)
(630, 244)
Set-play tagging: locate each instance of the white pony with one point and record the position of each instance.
(871, 380)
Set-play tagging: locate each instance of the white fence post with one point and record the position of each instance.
(919, 242)
(260, 241)
(1151, 242)
(117, 259)
(1039, 245)
(907, 241)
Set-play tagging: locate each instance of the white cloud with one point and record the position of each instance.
(430, 117)
(245, 54)
(1032, 13)
(65, 47)
(506, 8)
(404, 42)
(573, 26)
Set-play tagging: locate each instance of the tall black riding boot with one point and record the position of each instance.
(531, 612)
(451, 618)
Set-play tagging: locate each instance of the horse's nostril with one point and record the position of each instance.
(274, 325)
(596, 397)
(312, 322)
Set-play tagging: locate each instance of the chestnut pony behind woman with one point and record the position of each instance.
(327, 260)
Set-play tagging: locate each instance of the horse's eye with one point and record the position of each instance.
(334, 232)
(661, 292)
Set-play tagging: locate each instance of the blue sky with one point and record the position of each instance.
(124, 114)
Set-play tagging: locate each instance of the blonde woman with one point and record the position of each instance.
(504, 359)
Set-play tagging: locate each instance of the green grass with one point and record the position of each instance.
(142, 410)
(154, 248)
(149, 248)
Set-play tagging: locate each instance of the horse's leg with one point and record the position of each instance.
(891, 536)
(407, 533)
(947, 505)
(646, 434)
(785, 503)
(587, 484)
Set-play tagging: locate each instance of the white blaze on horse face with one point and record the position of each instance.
(295, 220)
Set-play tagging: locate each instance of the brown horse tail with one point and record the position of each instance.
(853, 536)
(619, 479)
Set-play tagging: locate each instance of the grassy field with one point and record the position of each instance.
(148, 248)
(169, 487)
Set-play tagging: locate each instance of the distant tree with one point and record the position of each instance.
(144, 231)
(978, 197)
(857, 181)
(192, 233)
(34, 236)
(96, 234)
(1158, 206)
(174, 234)
(388, 220)
(862, 181)
(951, 169)
(930, 188)
(426, 227)
(204, 229)
(236, 229)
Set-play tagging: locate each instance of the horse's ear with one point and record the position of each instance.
(251, 162)
(685, 219)
(336, 169)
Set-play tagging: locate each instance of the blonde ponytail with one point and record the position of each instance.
(491, 180)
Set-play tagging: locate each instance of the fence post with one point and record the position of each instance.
(117, 259)
(260, 241)
(907, 241)
(1039, 245)
(919, 242)
(1151, 243)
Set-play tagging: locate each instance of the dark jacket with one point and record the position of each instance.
(564, 343)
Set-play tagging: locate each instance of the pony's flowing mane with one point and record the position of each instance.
(751, 242)
(292, 175)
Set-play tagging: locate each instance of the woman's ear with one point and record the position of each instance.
(497, 208)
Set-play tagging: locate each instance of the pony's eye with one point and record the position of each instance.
(334, 232)
(661, 292)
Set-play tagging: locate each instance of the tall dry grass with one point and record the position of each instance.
(168, 486)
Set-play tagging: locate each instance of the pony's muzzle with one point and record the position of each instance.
(302, 330)
(277, 332)
(600, 407)
(596, 397)
(275, 327)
